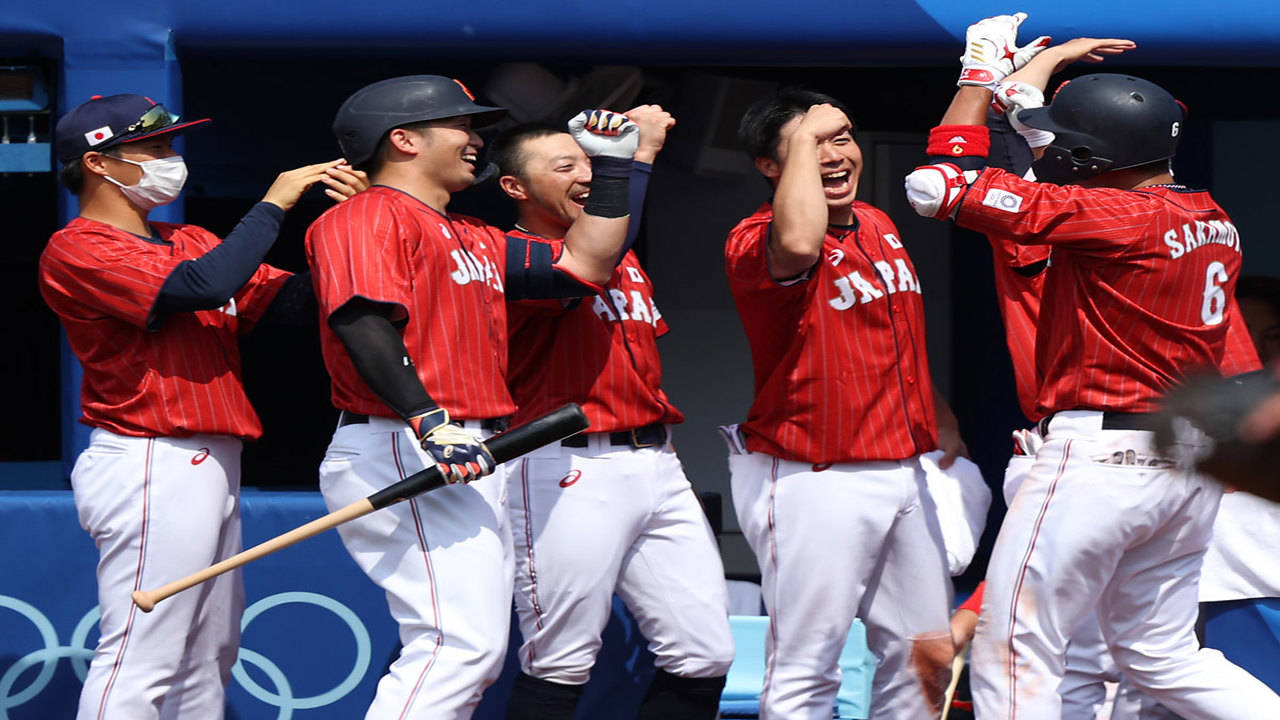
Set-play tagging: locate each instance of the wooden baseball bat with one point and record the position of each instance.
(957, 667)
(513, 443)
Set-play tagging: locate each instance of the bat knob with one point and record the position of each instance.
(143, 601)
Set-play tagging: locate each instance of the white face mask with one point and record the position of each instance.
(162, 180)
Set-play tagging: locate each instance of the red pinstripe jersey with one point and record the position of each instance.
(1240, 356)
(1137, 293)
(181, 379)
(443, 275)
(601, 353)
(841, 371)
(1018, 294)
(1019, 276)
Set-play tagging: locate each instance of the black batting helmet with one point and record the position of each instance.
(374, 110)
(1105, 122)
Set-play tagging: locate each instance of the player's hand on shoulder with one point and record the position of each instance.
(653, 122)
(460, 456)
(604, 133)
(342, 182)
(991, 50)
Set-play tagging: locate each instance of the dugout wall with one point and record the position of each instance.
(271, 75)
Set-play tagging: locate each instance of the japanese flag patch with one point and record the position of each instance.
(1003, 200)
(96, 137)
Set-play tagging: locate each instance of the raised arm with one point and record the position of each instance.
(992, 61)
(594, 241)
(1025, 88)
(654, 122)
(991, 52)
(800, 213)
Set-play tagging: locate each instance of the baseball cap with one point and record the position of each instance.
(105, 122)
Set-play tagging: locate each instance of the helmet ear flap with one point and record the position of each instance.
(1061, 165)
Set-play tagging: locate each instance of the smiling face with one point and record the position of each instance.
(557, 174)
(551, 183)
(839, 162)
(449, 152)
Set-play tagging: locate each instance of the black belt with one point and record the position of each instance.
(1116, 421)
(1129, 421)
(651, 435)
(488, 425)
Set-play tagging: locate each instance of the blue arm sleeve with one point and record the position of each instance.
(209, 281)
(640, 173)
(531, 273)
(530, 265)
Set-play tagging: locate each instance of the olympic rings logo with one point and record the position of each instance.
(79, 655)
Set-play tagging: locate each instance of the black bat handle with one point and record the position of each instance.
(555, 425)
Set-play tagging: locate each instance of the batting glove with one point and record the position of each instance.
(1014, 97)
(602, 133)
(991, 50)
(460, 457)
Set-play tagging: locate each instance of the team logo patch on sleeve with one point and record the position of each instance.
(1003, 200)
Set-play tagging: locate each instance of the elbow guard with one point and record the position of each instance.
(935, 190)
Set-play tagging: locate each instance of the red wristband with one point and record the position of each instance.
(959, 141)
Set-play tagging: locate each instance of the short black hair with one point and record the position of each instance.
(71, 174)
(506, 150)
(1259, 287)
(758, 131)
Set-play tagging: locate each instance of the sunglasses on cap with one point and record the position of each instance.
(157, 118)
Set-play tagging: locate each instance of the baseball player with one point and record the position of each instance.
(1089, 664)
(1118, 325)
(621, 484)
(414, 335)
(153, 312)
(830, 455)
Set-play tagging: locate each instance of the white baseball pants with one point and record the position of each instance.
(1089, 665)
(593, 521)
(159, 509)
(1102, 522)
(444, 560)
(849, 540)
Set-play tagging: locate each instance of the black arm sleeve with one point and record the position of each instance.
(1009, 151)
(294, 304)
(378, 352)
(209, 281)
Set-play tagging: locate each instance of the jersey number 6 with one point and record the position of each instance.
(1215, 298)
